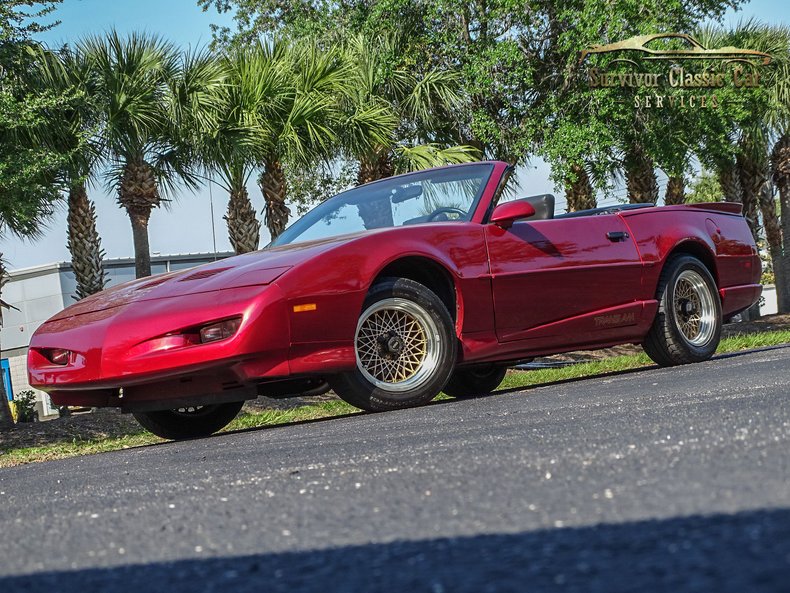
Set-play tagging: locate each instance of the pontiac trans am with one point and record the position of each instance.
(396, 290)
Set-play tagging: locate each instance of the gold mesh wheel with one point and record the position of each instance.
(694, 309)
(397, 344)
(687, 326)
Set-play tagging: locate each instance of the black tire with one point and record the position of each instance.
(189, 423)
(368, 386)
(673, 340)
(474, 381)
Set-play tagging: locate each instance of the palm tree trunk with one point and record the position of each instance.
(244, 228)
(367, 171)
(6, 419)
(384, 166)
(579, 192)
(780, 165)
(142, 249)
(676, 191)
(376, 214)
(84, 243)
(379, 166)
(730, 182)
(752, 178)
(640, 176)
(272, 182)
(773, 236)
(139, 195)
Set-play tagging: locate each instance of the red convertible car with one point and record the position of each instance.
(396, 290)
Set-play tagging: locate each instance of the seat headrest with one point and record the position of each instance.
(543, 204)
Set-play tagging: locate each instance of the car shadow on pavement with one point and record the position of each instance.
(739, 553)
(441, 402)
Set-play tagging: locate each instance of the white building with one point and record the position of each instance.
(37, 293)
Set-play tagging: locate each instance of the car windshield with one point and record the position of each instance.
(436, 195)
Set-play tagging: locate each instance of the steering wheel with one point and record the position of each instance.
(446, 210)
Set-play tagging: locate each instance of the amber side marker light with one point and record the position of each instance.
(305, 307)
(220, 330)
(58, 356)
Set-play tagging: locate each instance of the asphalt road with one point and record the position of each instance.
(656, 480)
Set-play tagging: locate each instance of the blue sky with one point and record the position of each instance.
(186, 226)
(180, 21)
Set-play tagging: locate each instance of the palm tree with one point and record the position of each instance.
(144, 89)
(746, 177)
(300, 120)
(780, 171)
(73, 133)
(675, 191)
(406, 158)
(394, 111)
(579, 190)
(131, 76)
(778, 117)
(231, 140)
(640, 175)
(364, 110)
(752, 166)
(729, 180)
(755, 157)
(410, 106)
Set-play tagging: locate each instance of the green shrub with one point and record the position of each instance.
(25, 403)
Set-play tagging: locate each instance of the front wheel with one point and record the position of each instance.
(687, 327)
(190, 422)
(405, 348)
(473, 381)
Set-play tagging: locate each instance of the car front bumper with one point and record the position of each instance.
(125, 355)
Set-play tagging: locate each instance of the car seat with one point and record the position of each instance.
(544, 206)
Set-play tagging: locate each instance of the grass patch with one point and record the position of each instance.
(615, 364)
(332, 408)
(326, 409)
(245, 420)
(575, 371)
(74, 448)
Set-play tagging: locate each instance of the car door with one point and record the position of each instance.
(564, 280)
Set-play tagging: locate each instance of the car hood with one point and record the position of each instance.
(258, 268)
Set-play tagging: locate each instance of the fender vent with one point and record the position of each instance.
(153, 283)
(203, 274)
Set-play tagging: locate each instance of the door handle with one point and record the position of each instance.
(615, 236)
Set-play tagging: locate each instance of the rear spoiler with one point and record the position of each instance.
(729, 207)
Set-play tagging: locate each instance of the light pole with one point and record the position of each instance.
(211, 206)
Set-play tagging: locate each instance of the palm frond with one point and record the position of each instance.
(425, 156)
(131, 83)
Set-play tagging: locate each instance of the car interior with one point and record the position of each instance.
(544, 208)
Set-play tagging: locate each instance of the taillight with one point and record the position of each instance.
(58, 356)
(220, 330)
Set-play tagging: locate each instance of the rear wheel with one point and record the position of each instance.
(190, 422)
(473, 381)
(687, 327)
(405, 348)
